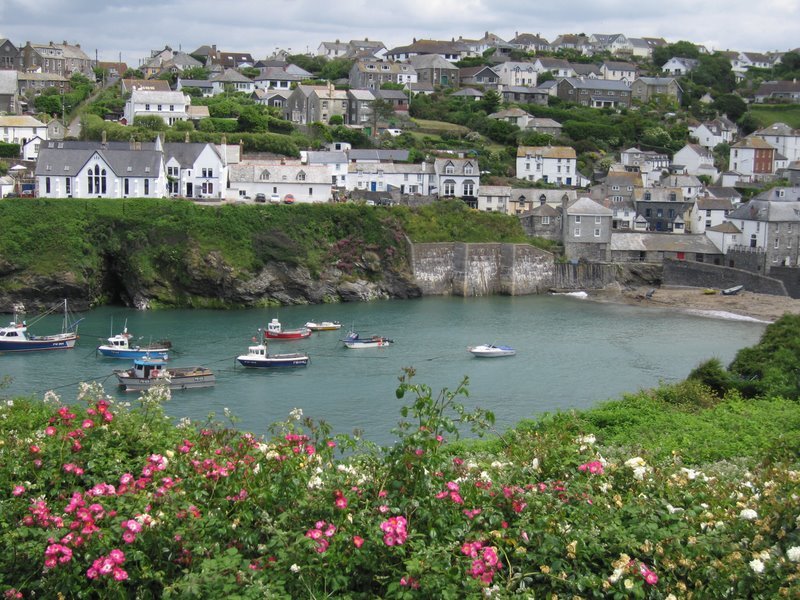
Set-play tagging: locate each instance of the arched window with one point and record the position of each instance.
(542, 199)
(264, 175)
(301, 176)
(97, 180)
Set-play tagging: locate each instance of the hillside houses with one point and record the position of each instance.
(551, 164)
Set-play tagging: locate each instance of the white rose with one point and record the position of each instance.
(748, 514)
(757, 566)
(793, 554)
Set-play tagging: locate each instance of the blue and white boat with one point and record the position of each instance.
(354, 341)
(258, 357)
(120, 346)
(16, 337)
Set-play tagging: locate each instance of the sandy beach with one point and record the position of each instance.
(744, 305)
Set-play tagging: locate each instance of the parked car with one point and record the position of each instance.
(288, 199)
(274, 199)
(261, 198)
(394, 132)
(27, 194)
(11, 195)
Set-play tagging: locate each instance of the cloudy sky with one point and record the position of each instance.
(130, 29)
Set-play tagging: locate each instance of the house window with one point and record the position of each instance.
(577, 232)
(468, 169)
(449, 187)
(577, 218)
(310, 192)
(68, 182)
(264, 175)
(647, 195)
(301, 176)
(545, 220)
(597, 220)
(776, 242)
(146, 187)
(449, 169)
(126, 186)
(97, 180)
(469, 188)
(597, 232)
(47, 185)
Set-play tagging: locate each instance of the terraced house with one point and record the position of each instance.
(551, 164)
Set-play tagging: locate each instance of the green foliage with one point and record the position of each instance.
(337, 68)
(9, 150)
(253, 119)
(336, 120)
(731, 105)
(681, 49)
(453, 221)
(195, 74)
(133, 74)
(767, 114)
(150, 122)
(771, 367)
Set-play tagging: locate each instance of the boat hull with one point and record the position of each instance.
(31, 345)
(324, 326)
(488, 351)
(272, 362)
(109, 352)
(179, 379)
(288, 335)
(366, 344)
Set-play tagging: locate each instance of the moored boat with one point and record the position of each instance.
(491, 350)
(732, 291)
(16, 337)
(324, 325)
(148, 372)
(120, 346)
(275, 331)
(258, 357)
(354, 340)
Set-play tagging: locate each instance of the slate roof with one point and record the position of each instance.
(431, 61)
(547, 151)
(587, 206)
(767, 210)
(124, 163)
(20, 121)
(778, 129)
(367, 154)
(725, 227)
(710, 203)
(325, 158)
(662, 242)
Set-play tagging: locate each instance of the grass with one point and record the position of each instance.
(426, 126)
(767, 114)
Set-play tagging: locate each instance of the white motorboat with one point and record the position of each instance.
(491, 350)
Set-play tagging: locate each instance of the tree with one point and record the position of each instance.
(382, 111)
(150, 122)
(253, 119)
(491, 101)
(731, 105)
(195, 73)
(682, 49)
(49, 102)
(133, 74)
(338, 68)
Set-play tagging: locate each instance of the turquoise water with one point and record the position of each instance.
(571, 353)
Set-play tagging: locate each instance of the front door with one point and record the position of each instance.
(189, 190)
(373, 186)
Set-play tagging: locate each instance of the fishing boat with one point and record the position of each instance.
(148, 372)
(258, 357)
(355, 341)
(275, 331)
(732, 291)
(120, 346)
(491, 350)
(324, 325)
(17, 338)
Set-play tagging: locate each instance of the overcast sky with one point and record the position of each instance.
(130, 29)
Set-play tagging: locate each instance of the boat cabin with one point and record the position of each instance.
(148, 368)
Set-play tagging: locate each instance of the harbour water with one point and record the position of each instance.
(571, 353)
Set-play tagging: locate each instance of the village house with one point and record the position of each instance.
(694, 159)
(232, 80)
(679, 66)
(9, 56)
(458, 178)
(206, 87)
(171, 107)
(778, 91)
(495, 198)
(127, 86)
(524, 200)
(557, 67)
(288, 180)
(645, 89)
(551, 164)
(656, 247)
(615, 43)
(544, 221)
(359, 111)
(58, 59)
(530, 42)
(783, 138)
(525, 95)
(482, 76)
(652, 165)
(597, 93)
(712, 133)
(334, 160)
(278, 78)
(708, 212)
(32, 84)
(451, 51)
(310, 103)
(367, 74)
(335, 49)
(664, 208)
(515, 74)
(586, 227)
(619, 71)
(20, 129)
(433, 69)
(753, 159)
(9, 93)
(405, 178)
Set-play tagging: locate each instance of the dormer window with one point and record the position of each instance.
(449, 169)
(468, 169)
(264, 175)
(301, 176)
(647, 196)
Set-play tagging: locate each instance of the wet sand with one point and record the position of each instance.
(745, 305)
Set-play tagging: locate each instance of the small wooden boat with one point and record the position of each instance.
(491, 351)
(275, 331)
(732, 291)
(354, 341)
(16, 338)
(324, 325)
(258, 357)
(147, 372)
(119, 346)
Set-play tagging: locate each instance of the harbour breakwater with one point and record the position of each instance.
(461, 269)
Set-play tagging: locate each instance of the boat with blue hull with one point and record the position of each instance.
(258, 357)
(16, 337)
(121, 346)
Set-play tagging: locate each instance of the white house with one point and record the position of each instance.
(708, 212)
(679, 66)
(495, 198)
(458, 177)
(407, 178)
(88, 170)
(169, 106)
(334, 160)
(724, 236)
(195, 170)
(18, 130)
(551, 164)
(233, 80)
(282, 178)
(696, 160)
(30, 149)
(712, 133)
(515, 74)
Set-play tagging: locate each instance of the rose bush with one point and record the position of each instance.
(100, 499)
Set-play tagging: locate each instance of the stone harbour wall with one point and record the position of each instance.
(461, 269)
